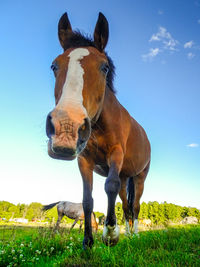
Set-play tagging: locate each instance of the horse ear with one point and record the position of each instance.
(64, 29)
(101, 32)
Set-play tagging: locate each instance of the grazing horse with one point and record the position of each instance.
(89, 123)
(73, 211)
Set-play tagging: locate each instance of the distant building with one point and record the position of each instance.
(190, 220)
(19, 220)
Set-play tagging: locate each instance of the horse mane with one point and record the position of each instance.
(77, 39)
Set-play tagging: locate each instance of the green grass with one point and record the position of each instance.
(31, 246)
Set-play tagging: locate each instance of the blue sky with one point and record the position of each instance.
(155, 46)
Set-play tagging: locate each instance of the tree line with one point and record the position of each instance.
(159, 214)
(31, 212)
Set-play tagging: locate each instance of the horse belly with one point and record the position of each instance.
(71, 210)
(103, 171)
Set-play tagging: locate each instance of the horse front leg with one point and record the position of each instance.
(112, 188)
(87, 175)
(60, 216)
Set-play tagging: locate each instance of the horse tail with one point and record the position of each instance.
(50, 206)
(130, 196)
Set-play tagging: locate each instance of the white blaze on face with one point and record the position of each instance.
(73, 86)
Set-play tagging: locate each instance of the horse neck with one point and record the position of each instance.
(101, 112)
(110, 103)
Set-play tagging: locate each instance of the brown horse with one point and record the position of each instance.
(73, 211)
(89, 123)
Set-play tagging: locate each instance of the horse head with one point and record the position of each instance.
(80, 74)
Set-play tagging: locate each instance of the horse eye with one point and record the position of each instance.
(54, 67)
(105, 68)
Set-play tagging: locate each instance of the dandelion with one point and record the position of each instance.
(22, 245)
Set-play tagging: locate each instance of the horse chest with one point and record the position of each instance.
(97, 150)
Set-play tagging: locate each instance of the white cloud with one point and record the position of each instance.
(190, 55)
(154, 37)
(193, 145)
(152, 53)
(189, 44)
(165, 38)
(170, 44)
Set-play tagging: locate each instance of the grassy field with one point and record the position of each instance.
(39, 246)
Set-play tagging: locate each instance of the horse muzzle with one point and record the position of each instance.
(67, 138)
(60, 152)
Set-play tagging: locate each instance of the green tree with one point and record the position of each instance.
(6, 209)
(161, 214)
(34, 211)
(143, 211)
(119, 213)
(184, 212)
(51, 215)
(193, 212)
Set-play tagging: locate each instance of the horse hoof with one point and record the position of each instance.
(88, 242)
(110, 235)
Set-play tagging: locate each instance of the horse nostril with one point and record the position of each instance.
(50, 130)
(84, 131)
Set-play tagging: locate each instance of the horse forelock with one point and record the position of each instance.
(77, 39)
